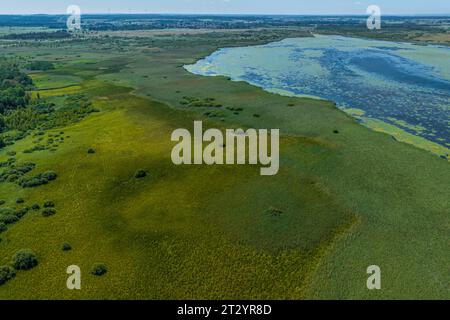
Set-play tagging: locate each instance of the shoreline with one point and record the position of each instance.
(397, 133)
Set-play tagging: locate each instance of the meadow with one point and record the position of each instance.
(346, 197)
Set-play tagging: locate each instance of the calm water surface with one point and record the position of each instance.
(402, 84)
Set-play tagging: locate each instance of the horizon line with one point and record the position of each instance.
(228, 14)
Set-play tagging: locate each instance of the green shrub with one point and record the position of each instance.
(21, 212)
(24, 260)
(2, 202)
(35, 206)
(32, 182)
(20, 200)
(16, 172)
(48, 212)
(6, 274)
(236, 110)
(40, 179)
(91, 151)
(49, 204)
(3, 227)
(99, 269)
(9, 218)
(12, 177)
(26, 167)
(40, 65)
(274, 212)
(197, 102)
(66, 247)
(5, 211)
(35, 148)
(140, 174)
(7, 163)
(49, 175)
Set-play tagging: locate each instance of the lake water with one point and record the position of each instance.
(401, 84)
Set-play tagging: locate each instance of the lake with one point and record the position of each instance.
(402, 85)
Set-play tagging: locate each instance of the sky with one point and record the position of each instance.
(227, 6)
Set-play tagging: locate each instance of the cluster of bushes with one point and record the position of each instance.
(49, 209)
(10, 216)
(40, 65)
(38, 147)
(37, 180)
(40, 106)
(209, 103)
(48, 212)
(197, 102)
(23, 260)
(235, 111)
(16, 172)
(8, 138)
(75, 108)
(51, 144)
(30, 117)
(51, 140)
(6, 274)
(215, 114)
(41, 115)
(19, 114)
(8, 162)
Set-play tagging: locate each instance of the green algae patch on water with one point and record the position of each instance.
(403, 136)
(355, 112)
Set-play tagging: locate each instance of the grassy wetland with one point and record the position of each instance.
(346, 196)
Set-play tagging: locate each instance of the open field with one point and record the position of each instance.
(349, 197)
(45, 81)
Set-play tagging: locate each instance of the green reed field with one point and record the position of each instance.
(345, 197)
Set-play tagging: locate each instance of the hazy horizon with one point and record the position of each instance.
(229, 7)
(231, 14)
